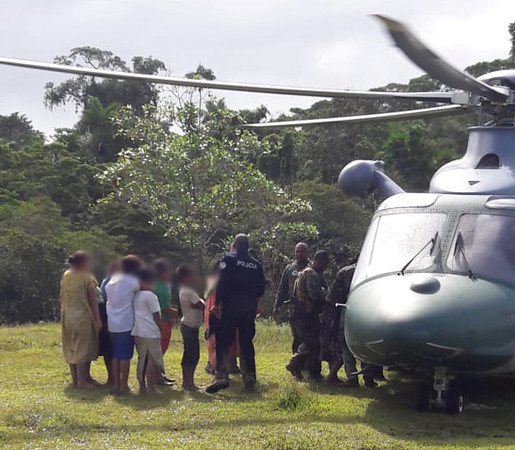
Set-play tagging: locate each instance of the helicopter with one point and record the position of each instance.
(434, 286)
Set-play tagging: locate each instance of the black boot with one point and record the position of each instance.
(370, 383)
(218, 385)
(295, 372)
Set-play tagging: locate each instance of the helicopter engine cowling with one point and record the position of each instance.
(362, 177)
(486, 168)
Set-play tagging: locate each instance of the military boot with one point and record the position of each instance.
(295, 372)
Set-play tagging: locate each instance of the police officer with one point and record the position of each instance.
(238, 301)
(338, 294)
(285, 290)
(310, 292)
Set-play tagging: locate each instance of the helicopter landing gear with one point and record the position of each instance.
(444, 394)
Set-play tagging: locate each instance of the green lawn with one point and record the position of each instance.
(38, 410)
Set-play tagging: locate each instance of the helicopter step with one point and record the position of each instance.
(444, 394)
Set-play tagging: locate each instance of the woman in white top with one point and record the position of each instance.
(192, 317)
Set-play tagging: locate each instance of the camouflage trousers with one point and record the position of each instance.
(296, 338)
(307, 356)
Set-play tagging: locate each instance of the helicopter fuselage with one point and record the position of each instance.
(453, 305)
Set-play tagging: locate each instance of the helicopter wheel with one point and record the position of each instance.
(425, 395)
(454, 401)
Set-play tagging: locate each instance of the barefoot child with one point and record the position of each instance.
(192, 317)
(147, 333)
(120, 291)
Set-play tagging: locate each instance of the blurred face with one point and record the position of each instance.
(301, 253)
(191, 279)
(86, 265)
(321, 264)
(165, 275)
(113, 268)
(146, 285)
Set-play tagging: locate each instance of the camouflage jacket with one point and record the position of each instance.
(310, 290)
(286, 286)
(339, 293)
(340, 288)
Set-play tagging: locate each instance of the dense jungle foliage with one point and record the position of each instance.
(146, 171)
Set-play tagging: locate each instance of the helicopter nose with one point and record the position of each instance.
(425, 319)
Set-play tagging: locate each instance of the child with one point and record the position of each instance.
(192, 317)
(120, 292)
(168, 313)
(147, 333)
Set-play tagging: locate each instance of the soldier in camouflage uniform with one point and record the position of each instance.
(309, 294)
(330, 343)
(285, 290)
(339, 293)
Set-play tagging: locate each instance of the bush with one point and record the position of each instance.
(34, 242)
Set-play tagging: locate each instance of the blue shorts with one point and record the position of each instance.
(122, 344)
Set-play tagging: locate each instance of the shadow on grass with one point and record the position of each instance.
(77, 428)
(166, 395)
(488, 417)
(322, 387)
(94, 395)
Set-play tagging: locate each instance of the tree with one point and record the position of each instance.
(79, 89)
(134, 224)
(97, 100)
(279, 162)
(202, 189)
(51, 171)
(201, 73)
(17, 131)
(412, 155)
(483, 67)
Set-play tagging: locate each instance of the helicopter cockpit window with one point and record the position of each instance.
(484, 246)
(395, 239)
(489, 161)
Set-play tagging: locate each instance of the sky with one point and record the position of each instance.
(311, 43)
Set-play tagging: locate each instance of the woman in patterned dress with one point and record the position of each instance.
(80, 319)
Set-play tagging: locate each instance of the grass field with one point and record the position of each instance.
(38, 410)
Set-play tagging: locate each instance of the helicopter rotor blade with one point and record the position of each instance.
(434, 65)
(429, 97)
(447, 110)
